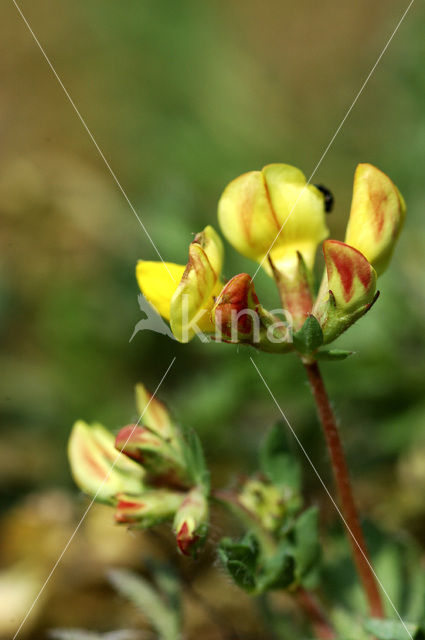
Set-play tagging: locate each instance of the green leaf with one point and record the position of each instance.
(309, 337)
(278, 571)
(240, 559)
(307, 547)
(393, 630)
(164, 616)
(333, 354)
(277, 462)
(195, 459)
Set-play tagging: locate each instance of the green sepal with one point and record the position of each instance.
(310, 337)
(240, 559)
(277, 462)
(333, 354)
(336, 321)
(195, 460)
(393, 630)
(307, 548)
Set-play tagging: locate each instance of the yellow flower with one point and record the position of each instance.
(377, 215)
(96, 465)
(274, 210)
(185, 295)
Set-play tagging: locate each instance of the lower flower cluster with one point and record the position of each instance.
(150, 473)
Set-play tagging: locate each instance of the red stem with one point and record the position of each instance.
(318, 620)
(342, 478)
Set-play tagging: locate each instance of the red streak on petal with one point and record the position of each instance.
(94, 465)
(344, 266)
(127, 504)
(378, 199)
(185, 541)
(349, 262)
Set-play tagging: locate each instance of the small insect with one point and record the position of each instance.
(329, 198)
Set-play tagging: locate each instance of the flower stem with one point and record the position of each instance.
(317, 617)
(342, 478)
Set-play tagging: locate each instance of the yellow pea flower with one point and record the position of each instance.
(275, 211)
(184, 295)
(95, 464)
(377, 214)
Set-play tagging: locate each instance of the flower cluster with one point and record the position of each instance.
(277, 219)
(150, 473)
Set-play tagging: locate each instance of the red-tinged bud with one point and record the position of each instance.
(236, 310)
(149, 508)
(154, 414)
(240, 318)
(351, 285)
(164, 464)
(191, 522)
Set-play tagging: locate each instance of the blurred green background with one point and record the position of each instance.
(182, 97)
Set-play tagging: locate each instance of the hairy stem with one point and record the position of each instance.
(342, 478)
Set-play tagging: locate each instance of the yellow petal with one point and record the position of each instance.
(158, 281)
(377, 215)
(274, 209)
(300, 209)
(154, 413)
(95, 464)
(211, 243)
(193, 299)
(245, 216)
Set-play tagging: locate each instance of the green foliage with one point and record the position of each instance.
(277, 462)
(161, 606)
(333, 354)
(251, 571)
(309, 337)
(240, 559)
(307, 548)
(393, 630)
(195, 459)
(288, 556)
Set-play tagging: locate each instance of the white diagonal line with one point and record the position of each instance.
(83, 517)
(322, 482)
(341, 124)
(91, 136)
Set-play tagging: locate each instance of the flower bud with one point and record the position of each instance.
(191, 304)
(265, 502)
(377, 215)
(191, 521)
(274, 212)
(96, 465)
(236, 311)
(154, 415)
(163, 464)
(240, 318)
(149, 508)
(351, 285)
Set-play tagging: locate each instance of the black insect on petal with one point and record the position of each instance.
(329, 198)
